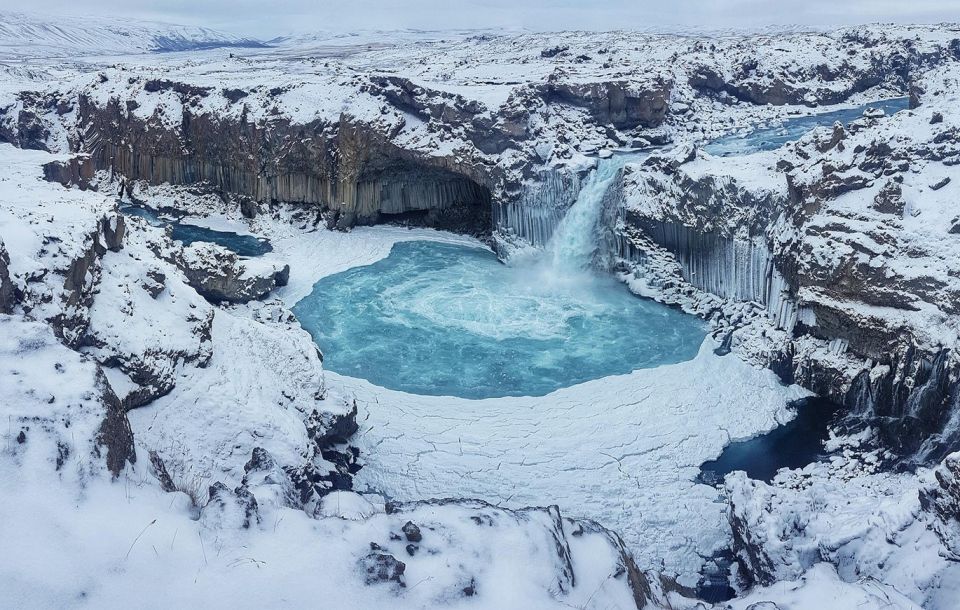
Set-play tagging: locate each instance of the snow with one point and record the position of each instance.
(850, 513)
(821, 587)
(235, 403)
(261, 381)
(30, 35)
(105, 544)
(608, 450)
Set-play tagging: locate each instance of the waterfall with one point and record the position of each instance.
(575, 240)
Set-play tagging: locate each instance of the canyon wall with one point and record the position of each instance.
(345, 167)
(382, 147)
(845, 239)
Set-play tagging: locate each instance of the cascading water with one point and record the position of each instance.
(575, 240)
(452, 320)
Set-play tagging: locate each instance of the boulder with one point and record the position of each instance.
(6, 286)
(942, 500)
(220, 275)
(230, 509)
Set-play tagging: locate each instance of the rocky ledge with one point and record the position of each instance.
(399, 145)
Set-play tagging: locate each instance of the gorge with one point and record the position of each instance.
(386, 298)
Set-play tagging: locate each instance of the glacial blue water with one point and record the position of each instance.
(444, 319)
(243, 245)
(775, 136)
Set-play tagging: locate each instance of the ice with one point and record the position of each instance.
(610, 449)
(624, 450)
(191, 232)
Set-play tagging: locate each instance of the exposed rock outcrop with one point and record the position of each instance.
(7, 296)
(562, 536)
(348, 166)
(942, 499)
(115, 435)
(623, 104)
(220, 275)
(759, 79)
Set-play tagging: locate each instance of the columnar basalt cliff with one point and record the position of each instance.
(845, 242)
(384, 148)
(347, 167)
(832, 261)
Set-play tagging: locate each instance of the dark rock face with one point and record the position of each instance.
(622, 104)
(7, 297)
(811, 85)
(348, 167)
(115, 434)
(942, 499)
(756, 567)
(161, 472)
(830, 278)
(412, 532)
(916, 399)
(326, 429)
(249, 207)
(78, 291)
(28, 129)
(237, 508)
(78, 170)
(330, 435)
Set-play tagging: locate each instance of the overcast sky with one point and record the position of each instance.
(268, 18)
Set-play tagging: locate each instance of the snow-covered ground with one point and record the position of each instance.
(245, 412)
(609, 450)
(100, 544)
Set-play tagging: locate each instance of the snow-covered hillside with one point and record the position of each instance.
(25, 35)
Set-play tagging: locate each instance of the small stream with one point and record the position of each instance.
(243, 245)
(774, 136)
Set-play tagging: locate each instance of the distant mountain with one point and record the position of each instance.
(27, 35)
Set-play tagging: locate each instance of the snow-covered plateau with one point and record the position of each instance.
(174, 436)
